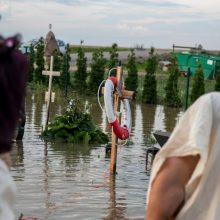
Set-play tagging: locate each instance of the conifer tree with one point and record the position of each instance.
(57, 66)
(31, 64)
(217, 83)
(113, 61)
(172, 97)
(131, 81)
(39, 61)
(97, 71)
(217, 77)
(80, 74)
(150, 84)
(198, 86)
(65, 69)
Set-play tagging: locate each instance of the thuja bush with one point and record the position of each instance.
(198, 86)
(217, 83)
(80, 75)
(75, 126)
(113, 62)
(96, 74)
(217, 77)
(39, 60)
(149, 94)
(172, 97)
(131, 82)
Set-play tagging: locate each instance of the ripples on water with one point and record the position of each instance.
(63, 181)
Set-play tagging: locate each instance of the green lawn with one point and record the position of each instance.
(87, 49)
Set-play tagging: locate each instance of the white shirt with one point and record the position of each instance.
(198, 132)
(7, 193)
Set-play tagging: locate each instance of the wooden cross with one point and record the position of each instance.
(120, 93)
(49, 96)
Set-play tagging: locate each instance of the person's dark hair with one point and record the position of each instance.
(13, 74)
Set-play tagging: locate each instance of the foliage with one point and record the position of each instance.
(75, 126)
(131, 82)
(91, 49)
(31, 57)
(149, 95)
(217, 83)
(113, 62)
(96, 75)
(217, 79)
(165, 56)
(57, 60)
(198, 87)
(172, 97)
(39, 61)
(65, 69)
(80, 75)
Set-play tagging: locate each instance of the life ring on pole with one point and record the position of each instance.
(121, 131)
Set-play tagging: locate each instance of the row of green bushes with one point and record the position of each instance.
(147, 85)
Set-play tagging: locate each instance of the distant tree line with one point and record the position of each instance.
(83, 80)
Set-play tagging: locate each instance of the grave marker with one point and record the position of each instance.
(49, 96)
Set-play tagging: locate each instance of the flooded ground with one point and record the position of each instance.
(64, 181)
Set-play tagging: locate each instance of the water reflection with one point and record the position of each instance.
(69, 181)
(137, 128)
(170, 121)
(148, 112)
(116, 207)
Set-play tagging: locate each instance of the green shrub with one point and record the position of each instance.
(149, 95)
(198, 86)
(131, 81)
(172, 98)
(75, 126)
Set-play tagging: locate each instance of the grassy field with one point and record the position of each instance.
(87, 49)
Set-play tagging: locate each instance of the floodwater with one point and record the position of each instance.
(59, 181)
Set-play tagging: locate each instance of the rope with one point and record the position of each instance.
(98, 95)
(109, 72)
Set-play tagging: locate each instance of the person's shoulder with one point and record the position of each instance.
(206, 102)
(211, 101)
(210, 97)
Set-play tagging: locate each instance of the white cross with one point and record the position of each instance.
(48, 95)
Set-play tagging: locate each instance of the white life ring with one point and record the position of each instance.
(121, 131)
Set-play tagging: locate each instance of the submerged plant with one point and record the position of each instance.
(75, 126)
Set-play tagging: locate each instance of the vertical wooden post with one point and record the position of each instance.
(113, 161)
(48, 96)
(49, 91)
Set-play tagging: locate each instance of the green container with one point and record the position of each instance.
(209, 63)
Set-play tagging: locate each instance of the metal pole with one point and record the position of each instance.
(187, 88)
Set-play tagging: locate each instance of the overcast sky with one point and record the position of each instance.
(158, 23)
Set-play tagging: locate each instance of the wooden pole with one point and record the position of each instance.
(49, 92)
(113, 161)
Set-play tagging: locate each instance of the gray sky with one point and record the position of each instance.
(158, 23)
